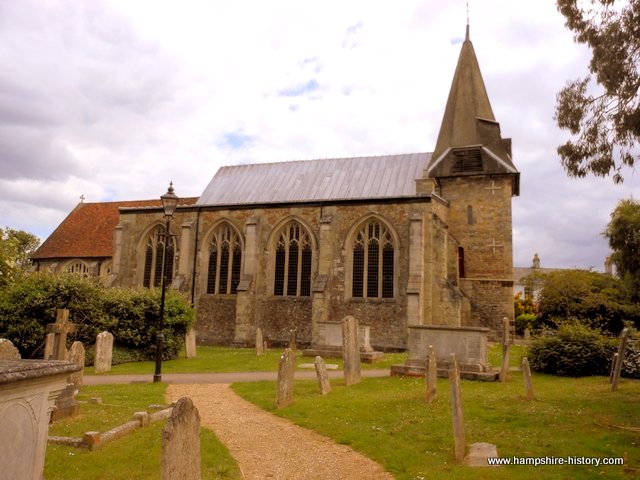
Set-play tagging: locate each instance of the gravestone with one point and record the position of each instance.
(77, 356)
(104, 352)
(181, 443)
(323, 377)
(286, 366)
(48, 346)
(527, 335)
(292, 339)
(459, 439)
(60, 329)
(617, 368)
(526, 374)
(431, 375)
(506, 343)
(190, 343)
(479, 454)
(259, 342)
(350, 350)
(8, 351)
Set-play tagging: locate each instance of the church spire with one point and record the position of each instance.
(469, 141)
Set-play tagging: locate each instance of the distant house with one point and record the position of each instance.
(83, 242)
(529, 288)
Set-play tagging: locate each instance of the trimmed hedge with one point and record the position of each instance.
(131, 315)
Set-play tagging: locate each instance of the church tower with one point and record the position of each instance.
(473, 171)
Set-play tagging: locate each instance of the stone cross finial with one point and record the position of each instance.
(60, 329)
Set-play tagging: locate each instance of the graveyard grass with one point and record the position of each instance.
(388, 420)
(227, 359)
(134, 456)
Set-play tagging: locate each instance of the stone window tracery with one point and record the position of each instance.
(153, 257)
(225, 261)
(78, 267)
(373, 262)
(293, 261)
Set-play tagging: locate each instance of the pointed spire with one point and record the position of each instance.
(469, 124)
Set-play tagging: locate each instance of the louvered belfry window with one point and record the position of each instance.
(293, 258)
(225, 261)
(153, 258)
(373, 261)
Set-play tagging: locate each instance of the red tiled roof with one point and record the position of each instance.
(88, 230)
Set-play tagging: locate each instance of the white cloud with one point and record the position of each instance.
(114, 98)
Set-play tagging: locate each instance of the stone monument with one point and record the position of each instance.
(28, 390)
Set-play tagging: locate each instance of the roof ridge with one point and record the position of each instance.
(324, 159)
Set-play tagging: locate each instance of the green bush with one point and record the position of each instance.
(131, 315)
(572, 350)
(526, 320)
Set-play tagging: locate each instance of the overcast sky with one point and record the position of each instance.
(112, 99)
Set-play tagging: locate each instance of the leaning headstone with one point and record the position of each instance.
(292, 339)
(77, 356)
(181, 443)
(104, 352)
(323, 377)
(190, 343)
(284, 393)
(617, 369)
(456, 409)
(48, 346)
(60, 329)
(259, 342)
(350, 350)
(506, 342)
(431, 376)
(8, 351)
(526, 373)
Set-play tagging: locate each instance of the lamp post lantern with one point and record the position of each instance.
(169, 204)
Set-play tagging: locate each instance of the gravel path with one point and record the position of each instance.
(270, 447)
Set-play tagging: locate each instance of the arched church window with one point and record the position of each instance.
(79, 267)
(373, 268)
(293, 259)
(154, 256)
(225, 260)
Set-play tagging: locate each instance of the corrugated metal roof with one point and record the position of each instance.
(316, 180)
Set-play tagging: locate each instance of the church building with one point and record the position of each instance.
(394, 240)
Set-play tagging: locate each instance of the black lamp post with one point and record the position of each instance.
(169, 203)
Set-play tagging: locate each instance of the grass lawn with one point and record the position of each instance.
(388, 420)
(135, 456)
(226, 360)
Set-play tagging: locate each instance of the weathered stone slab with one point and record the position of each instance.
(479, 453)
(181, 443)
(77, 356)
(286, 366)
(48, 346)
(28, 389)
(506, 344)
(323, 377)
(350, 350)
(8, 351)
(190, 343)
(526, 374)
(619, 360)
(259, 342)
(104, 352)
(431, 376)
(459, 439)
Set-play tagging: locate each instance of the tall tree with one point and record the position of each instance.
(16, 247)
(623, 232)
(602, 110)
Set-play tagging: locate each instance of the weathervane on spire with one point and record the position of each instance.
(467, 35)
